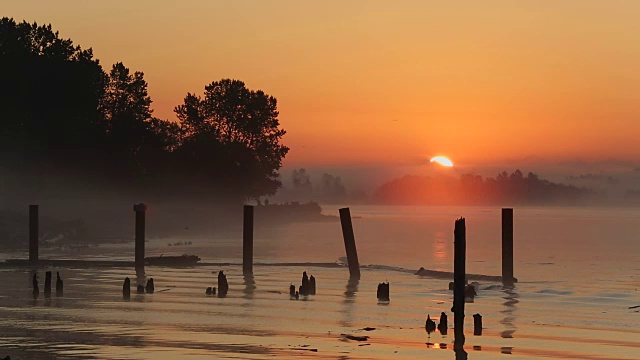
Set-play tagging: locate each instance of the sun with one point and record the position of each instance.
(442, 160)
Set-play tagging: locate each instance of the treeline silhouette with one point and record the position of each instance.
(470, 189)
(64, 117)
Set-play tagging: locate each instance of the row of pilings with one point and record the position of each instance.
(247, 240)
(459, 282)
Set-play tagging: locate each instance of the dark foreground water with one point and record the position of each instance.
(578, 269)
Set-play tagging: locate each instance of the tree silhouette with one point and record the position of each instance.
(239, 129)
(126, 113)
(49, 97)
(63, 115)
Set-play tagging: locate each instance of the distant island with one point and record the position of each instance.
(470, 189)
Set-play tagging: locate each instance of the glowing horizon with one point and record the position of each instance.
(387, 82)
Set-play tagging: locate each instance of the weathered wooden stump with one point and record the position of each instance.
(443, 326)
(59, 285)
(223, 285)
(470, 293)
(126, 288)
(312, 285)
(430, 325)
(383, 292)
(208, 291)
(477, 324)
(140, 289)
(150, 288)
(292, 290)
(47, 284)
(304, 288)
(36, 289)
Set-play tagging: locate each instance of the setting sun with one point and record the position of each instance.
(442, 160)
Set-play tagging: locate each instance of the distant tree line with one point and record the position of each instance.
(470, 189)
(330, 188)
(63, 114)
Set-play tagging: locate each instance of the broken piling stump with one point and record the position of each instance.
(140, 289)
(150, 288)
(59, 285)
(36, 289)
(47, 284)
(312, 285)
(429, 325)
(477, 324)
(350, 243)
(223, 285)
(292, 290)
(126, 288)
(443, 325)
(383, 292)
(208, 291)
(304, 288)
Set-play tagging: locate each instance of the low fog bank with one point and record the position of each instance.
(86, 211)
(551, 184)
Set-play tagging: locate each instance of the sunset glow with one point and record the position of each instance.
(484, 86)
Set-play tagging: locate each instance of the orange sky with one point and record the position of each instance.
(386, 82)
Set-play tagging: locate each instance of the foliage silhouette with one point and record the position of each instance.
(63, 115)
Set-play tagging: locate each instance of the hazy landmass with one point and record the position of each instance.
(470, 189)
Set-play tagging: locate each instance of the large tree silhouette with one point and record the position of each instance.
(49, 96)
(238, 131)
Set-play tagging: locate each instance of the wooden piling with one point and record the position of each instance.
(140, 210)
(350, 243)
(126, 288)
(507, 247)
(33, 234)
(477, 324)
(459, 274)
(59, 285)
(247, 240)
(47, 284)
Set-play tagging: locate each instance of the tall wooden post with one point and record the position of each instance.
(459, 275)
(507, 247)
(247, 240)
(140, 210)
(33, 234)
(350, 243)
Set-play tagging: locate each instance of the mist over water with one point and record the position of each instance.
(577, 271)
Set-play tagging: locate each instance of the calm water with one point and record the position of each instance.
(578, 275)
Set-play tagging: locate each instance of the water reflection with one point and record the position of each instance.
(511, 300)
(458, 348)
(249, 286)
(440, 248)
(352, 289)
(349, 302)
